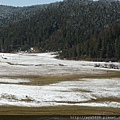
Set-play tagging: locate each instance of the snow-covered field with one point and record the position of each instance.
(82, 92)
(78, 93)
(45, 64)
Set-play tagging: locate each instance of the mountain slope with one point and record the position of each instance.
(9, 14)
(72, 26)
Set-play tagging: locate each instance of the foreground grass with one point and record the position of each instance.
(59, 110)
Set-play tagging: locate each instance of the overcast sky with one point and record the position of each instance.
(25, 2)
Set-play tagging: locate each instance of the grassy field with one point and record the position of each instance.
(59, 110)
(63, 110)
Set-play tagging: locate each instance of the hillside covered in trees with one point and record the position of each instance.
(78, 29)
(10, 15)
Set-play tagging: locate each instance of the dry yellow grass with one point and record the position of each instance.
(59, 110)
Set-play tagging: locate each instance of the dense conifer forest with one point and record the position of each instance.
(9, 14)
(77, 29)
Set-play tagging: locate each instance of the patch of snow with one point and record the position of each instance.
(93, 104)
(77, 93)
(8, 80)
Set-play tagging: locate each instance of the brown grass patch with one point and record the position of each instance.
(59, 110)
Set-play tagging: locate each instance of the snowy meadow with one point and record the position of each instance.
(15, 90)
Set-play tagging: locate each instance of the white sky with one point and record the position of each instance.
(26, 2)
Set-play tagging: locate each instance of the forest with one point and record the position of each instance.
(77, 29)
